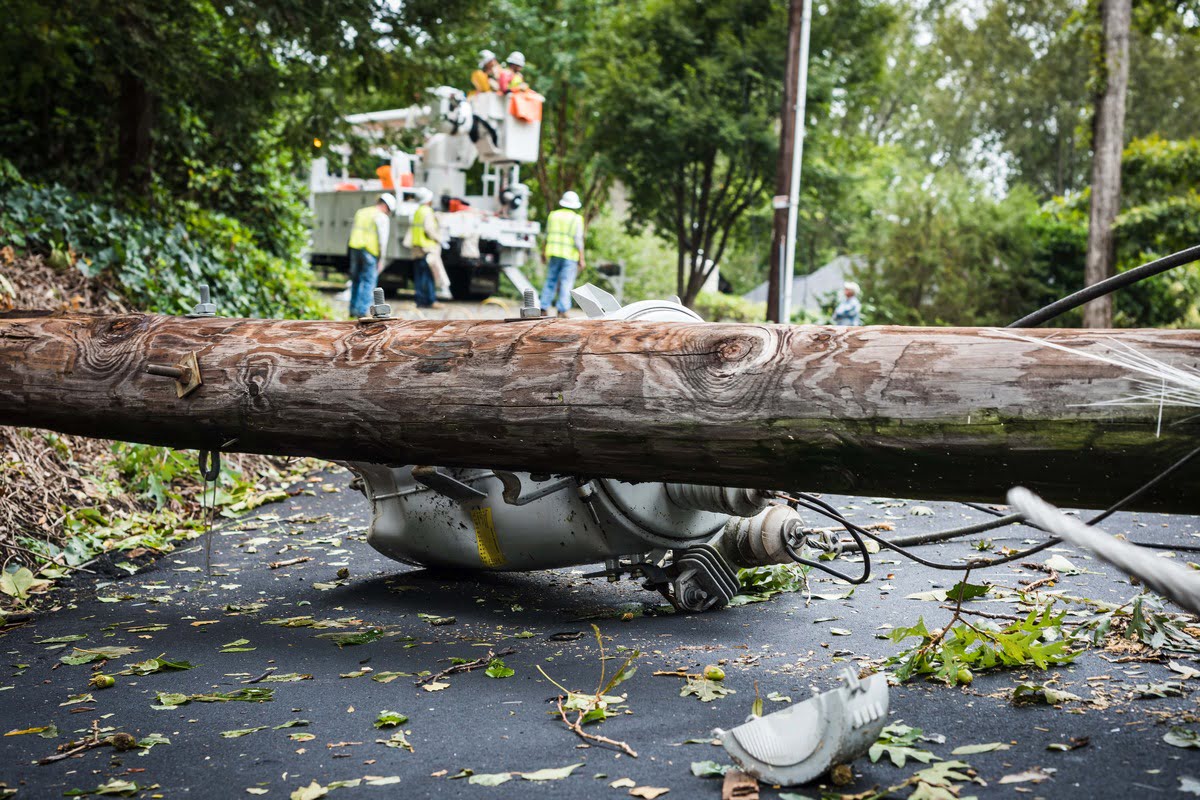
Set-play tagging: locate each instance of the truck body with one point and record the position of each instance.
(485, 233)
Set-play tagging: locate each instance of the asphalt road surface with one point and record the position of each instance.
(790, 645)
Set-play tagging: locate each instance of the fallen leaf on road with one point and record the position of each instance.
(45, 731)
(435, 686)
(492, 779)
(551, 773)
(709, 769)
(623, 783)
(81, 655)
(704, 689)
(390, 719)
(313, 791)
(1035, 775)
(239, 732)
(972, 749)
(648, 792)
(1182, 737)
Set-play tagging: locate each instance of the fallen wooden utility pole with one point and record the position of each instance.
(949, 413)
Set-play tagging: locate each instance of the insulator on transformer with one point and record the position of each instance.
(759, 540)
(718, 499)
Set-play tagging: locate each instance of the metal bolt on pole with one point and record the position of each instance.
(205, 308)
(530, 308)
(380, 309)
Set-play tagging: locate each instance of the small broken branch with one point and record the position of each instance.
(467, 667)
(289, 562)
(1052, 577)
(577, 728)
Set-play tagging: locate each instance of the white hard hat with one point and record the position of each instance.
(424, 196)
(851, 286)
(485, 58)
(388, 200)
(570, 200)
(516, 58)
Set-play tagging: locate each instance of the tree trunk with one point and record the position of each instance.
(950, 413)
(135, 143)
(1108, 139)
(783, 173)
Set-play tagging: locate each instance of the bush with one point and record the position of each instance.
(157, 262)
(717, 307)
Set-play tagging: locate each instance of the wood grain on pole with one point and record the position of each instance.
(951, 413)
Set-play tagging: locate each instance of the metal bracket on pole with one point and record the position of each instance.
(186, 374)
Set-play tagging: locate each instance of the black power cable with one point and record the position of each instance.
(1107, 286)
(825, 509)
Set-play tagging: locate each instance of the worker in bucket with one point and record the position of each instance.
(368, 251)
(511, 79)
(849, 311)
(425, 238)
(564, 252)
(486, 78)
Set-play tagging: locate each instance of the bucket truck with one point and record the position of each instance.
(485, 233)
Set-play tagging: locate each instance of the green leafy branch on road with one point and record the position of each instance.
(596, 706)
(955, 652)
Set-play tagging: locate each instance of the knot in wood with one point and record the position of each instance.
(735, 349)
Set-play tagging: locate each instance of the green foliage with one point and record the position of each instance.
(720, 307)
(953, 654)
(898, 742)
(756, 584)
(497, 669)
(690, 91)
(941, 252)
(157, 264)
(1147, 622)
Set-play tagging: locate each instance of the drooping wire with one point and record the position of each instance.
(825, 509)
(1108, 286)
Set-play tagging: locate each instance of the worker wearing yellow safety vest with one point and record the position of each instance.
(368, 251)
(509, 76)
(564, 251)
(425, 238)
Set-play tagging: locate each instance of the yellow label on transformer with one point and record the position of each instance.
(485, 538)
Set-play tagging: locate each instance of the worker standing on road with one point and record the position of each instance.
(564, 250)
(425, 238)
(510, 78)
(849, 311)
(368, 251)
(485, 78)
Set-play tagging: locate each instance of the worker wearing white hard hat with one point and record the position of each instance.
(511, 79)
(368, 250)
(849, 311)
(486, 78)
(564, 252)
(426, 240)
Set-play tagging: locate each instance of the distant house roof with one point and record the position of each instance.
(809, 290)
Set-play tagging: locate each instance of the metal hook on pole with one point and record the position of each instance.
(210, 465)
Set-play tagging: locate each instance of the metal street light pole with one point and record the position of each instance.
(787, 267)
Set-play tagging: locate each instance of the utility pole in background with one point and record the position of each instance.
(1108, 140)
(791, 152)
(783, 175)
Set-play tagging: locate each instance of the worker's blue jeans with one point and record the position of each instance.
(362, 281)
(560, 276)
(423, 285)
